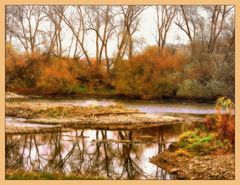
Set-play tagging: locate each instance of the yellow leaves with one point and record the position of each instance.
(182, 152)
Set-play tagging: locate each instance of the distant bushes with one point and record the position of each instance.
(31, 72)
(207, 75)
(55, 78)
(175, 75)
(149, 75)
(22, 70)
(146, 75)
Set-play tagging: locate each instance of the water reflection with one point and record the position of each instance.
(112, 154)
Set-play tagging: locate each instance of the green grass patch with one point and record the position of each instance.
(199, 142)
(79, 89)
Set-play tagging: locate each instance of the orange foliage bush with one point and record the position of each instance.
(56, 77)
(53, 75)
(149, 75)
(15, 66)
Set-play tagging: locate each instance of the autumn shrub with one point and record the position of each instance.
(146, 75)
(217, 88)
(28, 71)
(34, 64)
(225, 119)
(97, 76)
(210, 123)
(92, 78)
(22, 70)
(64, 75)
(208, 76)
(56, 77)
(224, 71)
(14, 68)
(223, 122)
(149, 75)
(192, 89)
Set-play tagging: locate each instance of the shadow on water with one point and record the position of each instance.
(90, 152)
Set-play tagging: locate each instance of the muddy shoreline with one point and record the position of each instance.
(207, 167)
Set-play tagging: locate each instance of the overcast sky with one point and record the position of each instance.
(147, 29)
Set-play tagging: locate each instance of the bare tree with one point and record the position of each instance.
(128, 26)
(165, 15)
(9, 23)
(230, 27)
(76, 23)
(100, 20)
(55, 38)
(187, 22)
(25, 25)
(218, 15)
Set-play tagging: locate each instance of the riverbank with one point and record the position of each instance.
(34, 94)
(207, 167)
(199, 154)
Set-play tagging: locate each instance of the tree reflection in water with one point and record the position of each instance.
(88, 152)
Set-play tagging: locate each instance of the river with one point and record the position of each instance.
(141, 105)
(109, 154)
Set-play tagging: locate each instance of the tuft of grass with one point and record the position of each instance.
(197, 142)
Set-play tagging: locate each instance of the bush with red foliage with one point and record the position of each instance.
(223, 122)
(225, 119)
(210, 123)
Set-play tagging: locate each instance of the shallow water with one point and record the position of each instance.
(90, 152)
(141, 105)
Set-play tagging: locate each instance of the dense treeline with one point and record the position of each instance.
(40, 60)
